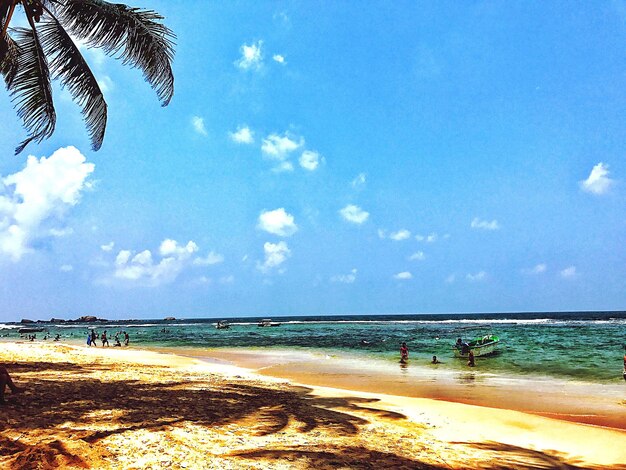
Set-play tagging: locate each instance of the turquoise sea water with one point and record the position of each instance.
(583, 345)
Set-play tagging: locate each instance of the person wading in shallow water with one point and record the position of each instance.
(624, 371)
(404, 354)
(470, 358)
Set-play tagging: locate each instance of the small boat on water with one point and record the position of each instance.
(222, 325)
(481, 346)
(30, 330)
(267, 322)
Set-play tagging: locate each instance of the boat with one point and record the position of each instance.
(267, 322)
(222, 325)
(481, 346)
(30, 330)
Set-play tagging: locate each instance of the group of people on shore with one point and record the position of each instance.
(92, 338)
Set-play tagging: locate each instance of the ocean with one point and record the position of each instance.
(584, 346)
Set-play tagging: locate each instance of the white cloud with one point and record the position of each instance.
(310, 160)
(381, 233)
(283, 167)
(404, 275)
(39, 195)
(108, 247)
(211, 258)
(142, 269)
(282, 18)
(598, 181)
(60, 232)
(106, 84)
(66, 268)
(275, 255)
(417, 256)
(432, 238)
(400, 235)
(345, 278)
(450, 279)
(198, 125)
(279, 58)
(354, 214)
(537, 269)
(568, 272)
(485, 225)
(203, 280)
(359, 181)
(243, 135)
(479, 276)
(277, 147)
(94, 55)
(277, 222)
(251, 56)
(171, 247)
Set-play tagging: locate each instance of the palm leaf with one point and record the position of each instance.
(131, 34)
(9, 53)
(67, 64)
(30, 91)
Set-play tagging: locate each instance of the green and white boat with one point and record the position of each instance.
(481, 346)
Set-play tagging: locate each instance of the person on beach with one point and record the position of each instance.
(624, 371)
(404, 353)
(5, 381)
(105, 339)
(435, 360)
(94, 337)
(126, 339)
(470, 359)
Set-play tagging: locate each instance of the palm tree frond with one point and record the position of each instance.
(9, 53)
(67, 64)
(31, 91)
(134, 35)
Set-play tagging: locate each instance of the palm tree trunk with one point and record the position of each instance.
(6, 6)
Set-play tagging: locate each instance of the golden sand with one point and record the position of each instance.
(95, 408)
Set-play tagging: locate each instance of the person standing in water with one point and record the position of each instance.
(624, 371)
(404, 353)
(470, 359)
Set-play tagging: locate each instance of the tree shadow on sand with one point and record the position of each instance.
(70, 405)
(344, 457)
(507, 456)
(68, 408)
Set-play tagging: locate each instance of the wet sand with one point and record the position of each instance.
(95, 408)
(577, 401)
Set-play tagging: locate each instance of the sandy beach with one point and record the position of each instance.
(127, 408)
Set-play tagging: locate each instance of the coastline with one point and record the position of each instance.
(577, 401)
(129, 408)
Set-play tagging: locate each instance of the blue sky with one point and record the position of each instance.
(334, 158)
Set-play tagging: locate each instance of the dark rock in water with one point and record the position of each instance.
(169, 318)
(57, 320)
(25, 320)
(89, 319)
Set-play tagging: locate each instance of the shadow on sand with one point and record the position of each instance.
(52, 424)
